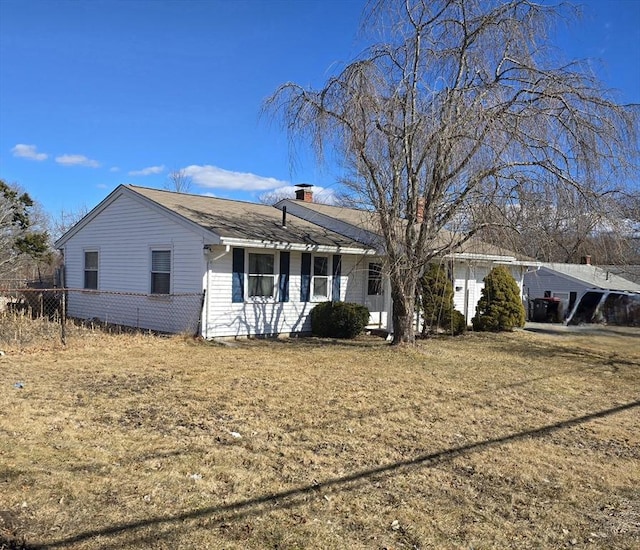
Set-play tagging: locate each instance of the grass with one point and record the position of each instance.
(515, 440)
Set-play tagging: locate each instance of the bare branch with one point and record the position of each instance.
(463, 111)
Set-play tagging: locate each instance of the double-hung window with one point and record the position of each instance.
(261, 275)
(160, 272)
(91, 270)
(374, 282)
(320, 281)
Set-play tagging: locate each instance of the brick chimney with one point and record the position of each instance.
(304, 193)
(585, 260)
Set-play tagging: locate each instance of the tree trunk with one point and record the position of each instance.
(403, 297)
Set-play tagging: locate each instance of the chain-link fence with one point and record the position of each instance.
(31, 315)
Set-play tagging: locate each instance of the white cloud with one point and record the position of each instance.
(28, 152)
(114, 169)
(148, 171)
(77, 160)
(218, 178)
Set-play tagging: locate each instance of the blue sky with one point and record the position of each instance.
(102, 92)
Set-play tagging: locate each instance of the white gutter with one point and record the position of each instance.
(248, 243)
(483, 257)
(523, 263)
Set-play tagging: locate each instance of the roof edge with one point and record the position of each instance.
(119, 191)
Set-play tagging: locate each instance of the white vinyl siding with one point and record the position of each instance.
(125, 233)
(269, 317)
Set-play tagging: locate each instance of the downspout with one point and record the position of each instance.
(466, 294)
(207, 298)
(388, 305)
(526, 306)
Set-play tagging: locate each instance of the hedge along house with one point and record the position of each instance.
(250, 269)
(468, 264)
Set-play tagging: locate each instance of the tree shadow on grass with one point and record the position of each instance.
(15, 544)
(296, 496)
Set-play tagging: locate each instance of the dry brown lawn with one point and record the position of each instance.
(516, 440)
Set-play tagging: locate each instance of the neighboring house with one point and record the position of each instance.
(254, 270)
(569, 282)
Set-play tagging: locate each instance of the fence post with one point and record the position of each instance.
(63, 317)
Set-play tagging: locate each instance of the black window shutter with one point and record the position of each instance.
(305, 277)
(283, 283)
(237, 282)
(337, 271)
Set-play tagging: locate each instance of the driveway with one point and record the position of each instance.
(560, 329)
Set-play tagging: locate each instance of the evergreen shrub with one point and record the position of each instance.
(500, 307)
(436, 300)
(457, 324)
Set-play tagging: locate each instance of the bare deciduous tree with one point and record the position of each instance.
(321, 195)
(566, 226)
(66, 219)
(458, 105)
(179, 181)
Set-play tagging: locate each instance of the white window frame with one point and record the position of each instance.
(249, 275)
(317, 278)
(160, 272)
(86, 270)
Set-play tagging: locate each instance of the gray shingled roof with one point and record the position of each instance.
(367, 220)
(364, 219)
(244, 220)
(629, 272)
(594, 276)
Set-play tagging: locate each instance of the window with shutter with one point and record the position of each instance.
(261, 275)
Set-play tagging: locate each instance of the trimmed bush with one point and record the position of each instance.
(500, 307)
(436, 302)
(339, 319)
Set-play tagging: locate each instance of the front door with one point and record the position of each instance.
(375, 294)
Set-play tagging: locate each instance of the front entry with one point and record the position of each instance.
(375, 295)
